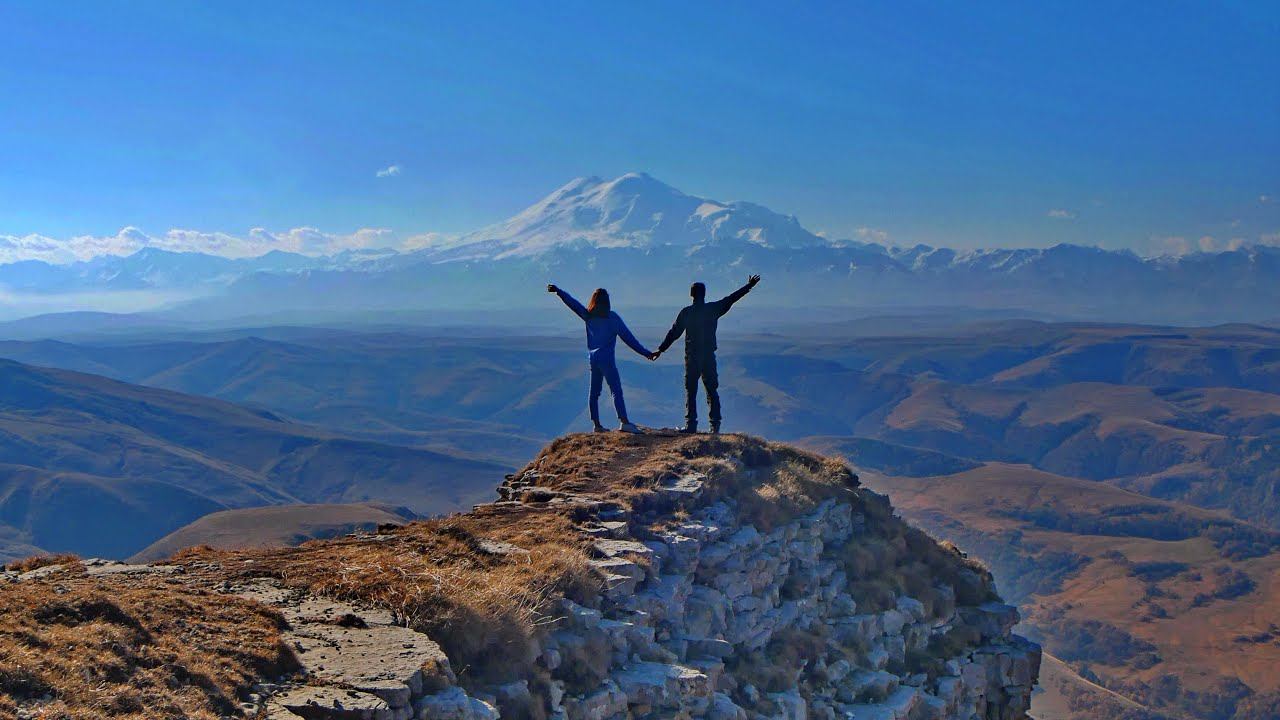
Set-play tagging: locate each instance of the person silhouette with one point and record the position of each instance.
(698, 323)
(604, 327)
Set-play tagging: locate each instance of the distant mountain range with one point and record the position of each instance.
(646, 241)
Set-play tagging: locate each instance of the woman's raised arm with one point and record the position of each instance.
(569, 300)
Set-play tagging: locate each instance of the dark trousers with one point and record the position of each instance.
(701, 367)
(602, 372)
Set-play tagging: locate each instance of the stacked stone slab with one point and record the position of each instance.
(679, 607)
(357, 663)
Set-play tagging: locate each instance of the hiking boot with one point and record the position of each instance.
(600, 428)
(689, 430)
(628, 427)
(715, 429)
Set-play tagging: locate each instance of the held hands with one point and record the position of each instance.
(552, 288)
(655, 355)
(753, 280)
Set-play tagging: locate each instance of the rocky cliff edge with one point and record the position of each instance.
(720, 577)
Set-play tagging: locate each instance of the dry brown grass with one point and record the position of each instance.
(143, 649)
(1197, 644)
(770, 482)
(795, 485)
(481, 608)
(36, 562)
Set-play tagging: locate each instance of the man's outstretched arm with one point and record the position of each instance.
(569, 300)
(728, 301)
(677, 329)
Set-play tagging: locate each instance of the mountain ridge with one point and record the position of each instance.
(642, 237)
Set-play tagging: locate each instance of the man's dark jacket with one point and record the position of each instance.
(698, 324)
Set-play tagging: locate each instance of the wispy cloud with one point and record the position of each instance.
(429, 240)
(875, 235)
(258, 241)
(1178, 245)
(389, 171)
(1060, 214)
(1266, 199)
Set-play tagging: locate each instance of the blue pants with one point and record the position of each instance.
(602, 372)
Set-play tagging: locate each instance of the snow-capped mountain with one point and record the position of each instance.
(632, 211)
(647, 240)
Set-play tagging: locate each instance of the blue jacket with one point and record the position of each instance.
(602, 332)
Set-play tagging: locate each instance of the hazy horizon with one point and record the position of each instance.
(313, 242)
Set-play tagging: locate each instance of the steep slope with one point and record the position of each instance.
(1167, 606)
(620, 577)
(101, 467)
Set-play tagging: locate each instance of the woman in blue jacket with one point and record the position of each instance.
(604, 327)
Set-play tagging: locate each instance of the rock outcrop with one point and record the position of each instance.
(737, 579)
(618, 577)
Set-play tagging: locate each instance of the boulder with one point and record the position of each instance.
(454, 704)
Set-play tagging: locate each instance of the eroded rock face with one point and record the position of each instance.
(704, 607)
(704, 616)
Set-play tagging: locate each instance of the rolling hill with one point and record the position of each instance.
(273, 526)
(100, 467)
(1185, 414)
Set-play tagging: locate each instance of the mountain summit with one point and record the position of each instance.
(635, 210)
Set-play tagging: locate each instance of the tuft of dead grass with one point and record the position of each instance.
(36, 562)
(794, 486)
(80, 647)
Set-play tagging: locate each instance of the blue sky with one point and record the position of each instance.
(962, 124)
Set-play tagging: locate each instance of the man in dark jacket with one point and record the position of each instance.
(697, 323)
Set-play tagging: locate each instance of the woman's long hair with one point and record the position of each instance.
(599, 305)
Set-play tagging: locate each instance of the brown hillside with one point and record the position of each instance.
(104, 468)
(1169, 606)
